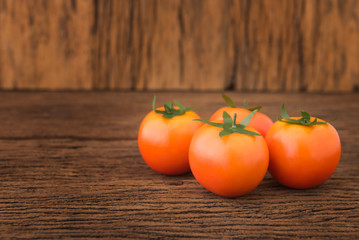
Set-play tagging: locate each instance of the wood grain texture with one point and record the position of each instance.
(156, 45)
(45, 44)
(297, 45)
(70, 168)
(246, 45)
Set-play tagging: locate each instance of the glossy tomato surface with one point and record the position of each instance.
(302, 156)
(260, 121)
(230, 166)
(164, 142)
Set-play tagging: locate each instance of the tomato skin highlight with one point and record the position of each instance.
(164, 142)
(260, 121)
(302, 156)
(230, 166)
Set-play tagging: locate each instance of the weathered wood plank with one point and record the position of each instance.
(267, 37)
(45, 44)
(118, 44)
(52, 188)
(90, 189)
(330, 45)
(64, 114)
(299, 46)
(156, 45)
(206, 45)
(203, 45)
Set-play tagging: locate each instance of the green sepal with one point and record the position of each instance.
(229, 126)
(225, 132)
(170, 110)
(228, 100)
(227, 120)
(168, 107)
(247, 132)
(245, 105)
(248, 118)
(305, 115)
(255, 108)
(231, 104)
(304, 120)
(283, 112)
(180, 106)
(154, 103)
(214, 124)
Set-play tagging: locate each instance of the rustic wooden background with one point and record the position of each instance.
(279, 45)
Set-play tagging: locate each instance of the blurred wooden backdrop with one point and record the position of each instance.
(261, 45)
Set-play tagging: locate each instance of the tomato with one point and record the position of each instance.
(302, 156)
(230, 166)
(164, 142)
(260, 121)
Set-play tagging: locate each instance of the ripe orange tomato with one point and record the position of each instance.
(164, 142)
(302, 156)
(260, 121)
(230, 166)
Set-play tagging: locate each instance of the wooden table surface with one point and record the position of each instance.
(70, 168)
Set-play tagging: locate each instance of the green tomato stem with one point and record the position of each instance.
(234, 120)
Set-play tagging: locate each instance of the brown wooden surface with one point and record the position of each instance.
(279, 45)
(70, 168)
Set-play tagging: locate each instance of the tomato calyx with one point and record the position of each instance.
(229, 125)
(245, 105)
(170, 111)
(304, 120)
(231, 104)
